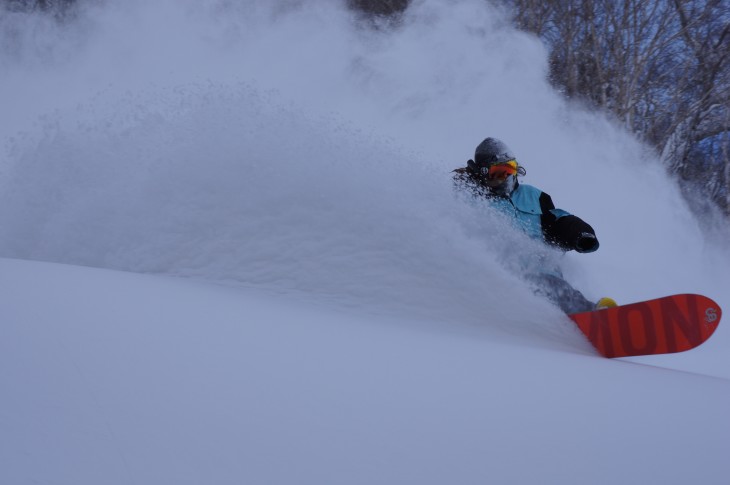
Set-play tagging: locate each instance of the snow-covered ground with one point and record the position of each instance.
(112, 377)
(230, 253)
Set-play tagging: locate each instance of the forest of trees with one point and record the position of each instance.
(661, 67)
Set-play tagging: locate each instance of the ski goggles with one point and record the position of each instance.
(500, 171)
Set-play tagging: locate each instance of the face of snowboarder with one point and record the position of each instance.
(500, 177)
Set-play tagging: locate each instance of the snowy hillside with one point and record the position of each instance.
(265, 276)
(122, 378)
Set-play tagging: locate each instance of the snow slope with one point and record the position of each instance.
(317, 306)
(124, 378)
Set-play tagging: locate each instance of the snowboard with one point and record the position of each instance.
(662, 326)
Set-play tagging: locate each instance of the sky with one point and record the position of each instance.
(290, 150)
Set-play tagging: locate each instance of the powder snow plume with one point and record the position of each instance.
(293, 147)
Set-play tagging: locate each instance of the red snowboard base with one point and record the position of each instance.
(662, 326)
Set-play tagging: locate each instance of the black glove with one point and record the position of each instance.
(586, 242)
(570, 232)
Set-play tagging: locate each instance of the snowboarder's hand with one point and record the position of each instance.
(586, 243)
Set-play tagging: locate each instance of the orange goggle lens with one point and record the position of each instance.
(500, 170)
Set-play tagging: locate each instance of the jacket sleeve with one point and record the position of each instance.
(565, 230)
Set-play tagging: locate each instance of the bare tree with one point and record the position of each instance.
(37, 4)
(662, 67)
(379, 7)
(702, 128)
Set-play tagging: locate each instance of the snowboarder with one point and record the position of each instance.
(492, 175)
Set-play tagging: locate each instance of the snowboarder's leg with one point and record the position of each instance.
(560, 292)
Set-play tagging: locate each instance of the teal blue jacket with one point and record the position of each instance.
(534, 212)
(524, 206)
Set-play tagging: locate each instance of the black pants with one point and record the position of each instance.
(560, 292)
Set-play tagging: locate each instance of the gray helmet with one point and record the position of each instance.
(492, 151)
